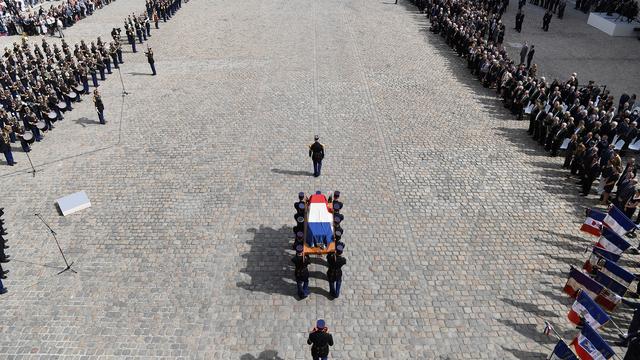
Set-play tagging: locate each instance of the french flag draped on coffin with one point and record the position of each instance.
(590, 346)
(585, 308)
(319, 222)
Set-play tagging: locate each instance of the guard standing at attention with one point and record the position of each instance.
(301, 262)
(97, 100)
(320, 340)
(335, 262)
(149, 54)
(316, 152)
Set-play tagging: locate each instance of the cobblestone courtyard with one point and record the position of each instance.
(459, 233)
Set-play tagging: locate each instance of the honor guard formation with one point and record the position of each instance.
(318, 231)
(40, 82)
(595, 134)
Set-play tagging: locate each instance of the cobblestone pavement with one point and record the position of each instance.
(571, 45)
(459, 232)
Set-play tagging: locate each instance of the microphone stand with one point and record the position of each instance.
(124, 91)
(33, 169)
(53, 233)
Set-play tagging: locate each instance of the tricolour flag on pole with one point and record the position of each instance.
(593, 222)
(617, 273)
(590, 346)
(617, 221)
(610, 283)
(562, 352)
(596, 255)
(581, 281)
(548, 328)
(585, 308)
(612, 242)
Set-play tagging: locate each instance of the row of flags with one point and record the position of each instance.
(598, 286)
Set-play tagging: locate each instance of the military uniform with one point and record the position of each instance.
(316, 152)
(151, 61)
(320, 341)
(97, 100)
(301, 273)
(335, 262)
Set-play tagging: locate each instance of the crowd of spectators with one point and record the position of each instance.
(20, 17)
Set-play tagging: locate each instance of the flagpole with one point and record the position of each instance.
(616, 326)
(555, 333)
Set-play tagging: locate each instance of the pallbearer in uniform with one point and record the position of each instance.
(335, 262)
(301, 263)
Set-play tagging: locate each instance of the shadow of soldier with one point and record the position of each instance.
(84, 121)
(269, 263)
(265, 355)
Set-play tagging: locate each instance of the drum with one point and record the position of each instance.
(71, 95)
(62, 106)
(52, 115)
(41, 125)
(80, 89)
(28, 137)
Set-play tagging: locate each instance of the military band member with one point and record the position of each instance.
(5, 146)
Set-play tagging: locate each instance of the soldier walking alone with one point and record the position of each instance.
(316, 152)
(97, 100)
(320, 340)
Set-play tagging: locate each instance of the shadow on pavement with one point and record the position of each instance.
(531, 331)
(530, 308)
(269, 262)
(84, 121)
(525, 355)
(292, 172)
(265, 355)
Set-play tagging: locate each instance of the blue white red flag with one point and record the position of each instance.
(617, 221)
(548, 328)
(581, 281)
(593, 222)
(597, 254)
(612, 242)
(562, 352)
(617, 273)
(610, 283)
(319, 221)
(590, 346)
(585, 308)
